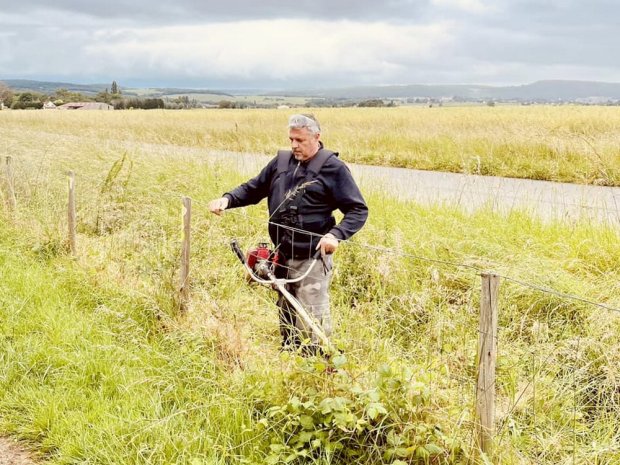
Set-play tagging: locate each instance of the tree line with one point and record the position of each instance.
(13, 99)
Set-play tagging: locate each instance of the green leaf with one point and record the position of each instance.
(305, 436)
(422, 453)
(394, 439)
(294, 404)
(434, 449)
(375, 409)
(308, 405)
(333, 446)
(374, 396)
(339, 360)
(320, 366)
(326, 406)
(306, 422)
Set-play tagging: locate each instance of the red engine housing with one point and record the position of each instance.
(260, 253)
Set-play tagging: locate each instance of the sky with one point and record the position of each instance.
(245, 44)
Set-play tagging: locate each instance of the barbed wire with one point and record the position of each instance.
(563, 295)
(444, 262)
(387, 250)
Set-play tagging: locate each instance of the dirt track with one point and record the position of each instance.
(12, 454)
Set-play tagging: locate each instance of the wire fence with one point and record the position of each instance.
(527, 398)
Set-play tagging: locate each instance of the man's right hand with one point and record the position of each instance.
(217, 206)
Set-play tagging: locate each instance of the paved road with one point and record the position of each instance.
(547, 200)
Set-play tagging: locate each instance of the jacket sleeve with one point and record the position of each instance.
(350, 202)
(254, 190)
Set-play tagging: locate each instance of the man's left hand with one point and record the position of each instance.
(328, 244)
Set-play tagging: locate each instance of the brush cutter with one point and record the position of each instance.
(260, 265)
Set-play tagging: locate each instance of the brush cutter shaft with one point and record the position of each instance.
(280, 285)
(302, 313)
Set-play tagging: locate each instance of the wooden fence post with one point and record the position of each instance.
(71, 217)
(487, 356)
(10, 185)
(184, 276)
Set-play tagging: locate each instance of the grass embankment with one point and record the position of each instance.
(568, 143)
(98, 366)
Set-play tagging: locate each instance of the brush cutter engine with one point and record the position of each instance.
(262, 260)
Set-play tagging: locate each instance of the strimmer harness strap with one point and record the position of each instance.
(294, 218)
(314, 165)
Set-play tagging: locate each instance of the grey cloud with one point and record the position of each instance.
(158, 12)
(507, 41)
(546, 33)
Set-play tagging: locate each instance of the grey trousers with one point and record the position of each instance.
(313, 294)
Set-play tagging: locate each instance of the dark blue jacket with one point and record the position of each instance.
(298, 202)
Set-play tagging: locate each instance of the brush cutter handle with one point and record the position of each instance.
(234, 245)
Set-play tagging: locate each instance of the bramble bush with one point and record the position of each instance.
(326, 415)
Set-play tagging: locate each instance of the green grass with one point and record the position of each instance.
(98, 366)
(88, 375)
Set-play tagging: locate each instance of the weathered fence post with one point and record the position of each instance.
(71, 217)
(184, 275)
(487, 356)
(10, 185)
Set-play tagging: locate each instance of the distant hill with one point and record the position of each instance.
(26, 85)
(540, 90)
(552, 90)
(48, 87)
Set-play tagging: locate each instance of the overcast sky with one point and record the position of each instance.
(309, 43)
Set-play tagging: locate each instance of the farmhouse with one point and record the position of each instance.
(85, 106)
(49, 106)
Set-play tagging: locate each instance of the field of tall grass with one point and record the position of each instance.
(97, 364)
(565, 143)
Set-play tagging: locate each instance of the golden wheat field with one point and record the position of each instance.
(559, 143)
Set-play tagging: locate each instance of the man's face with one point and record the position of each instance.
(304, 144)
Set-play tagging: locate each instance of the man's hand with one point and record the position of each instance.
(328, 244)
(217, 206)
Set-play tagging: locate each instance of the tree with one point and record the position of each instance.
(68, 96)
(26, 97)
(114, 88)
(6, 94)
(27, 100)
(371, 103)
(103, 97)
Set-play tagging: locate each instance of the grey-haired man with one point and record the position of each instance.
(304, 186)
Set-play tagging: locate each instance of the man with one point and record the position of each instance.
(304, 186)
